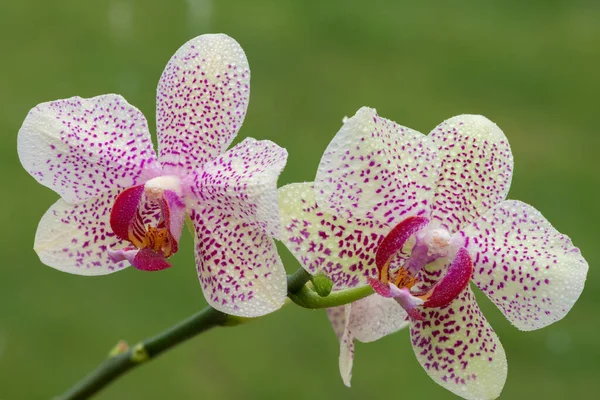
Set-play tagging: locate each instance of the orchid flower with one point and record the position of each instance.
(418, 217)
(122, 204)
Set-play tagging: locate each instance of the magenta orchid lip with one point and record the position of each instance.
(152, 222)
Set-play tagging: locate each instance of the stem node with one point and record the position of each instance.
(139, 354)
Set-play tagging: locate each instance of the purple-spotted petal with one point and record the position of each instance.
(532, 272)
(82, 148)
(75, 238)
(475, 172)
(173, 209)
(459, 349)
(376, 169)
(238, 265)
(342, 249)
(202, 98)
(243, 182)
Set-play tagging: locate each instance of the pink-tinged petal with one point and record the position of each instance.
(376, 169)
(342, 249)
(150, 260)
(366, 320)
(238, 265)
(475, 172)
(173, 209)
(459, 349)
(81, 148)
(75, 238)
(202, 98)
(453, 282)
(532, 272)
(374, 317)
(337, 317)
(243, 182)
(346, 348)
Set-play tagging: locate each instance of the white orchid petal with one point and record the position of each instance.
(82, 148)
(243, 182)
(377, 170)
(342, 249)
(76, 238)
(459, 350)
(475, 172)
(202, 99)
(238, 264)
(532, 272)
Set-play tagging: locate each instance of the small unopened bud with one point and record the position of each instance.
(119, 348)
(322, 284)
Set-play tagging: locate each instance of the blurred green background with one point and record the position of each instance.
(532, 67)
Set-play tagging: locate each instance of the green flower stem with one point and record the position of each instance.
(122, 358)
(117, 365)
(308, 298)
(297, 280)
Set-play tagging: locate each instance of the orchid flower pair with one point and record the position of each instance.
(416, 217)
